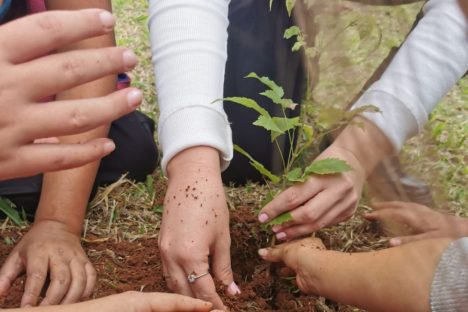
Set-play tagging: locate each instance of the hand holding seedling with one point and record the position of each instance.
(194, 236)
(423, 221)
(28, 76)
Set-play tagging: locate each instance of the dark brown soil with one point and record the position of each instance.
(136, 265)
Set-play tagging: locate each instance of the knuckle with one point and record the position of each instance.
(73, 68)
(310, 216)
(36, 275)
(79, 119)
(292, 198)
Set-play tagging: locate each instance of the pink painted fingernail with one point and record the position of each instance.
(129, 59)
(107, 20)
(395, 242)
(134, 98)
(233, 289)
(281, 235)
(262, 252)
(263, 218)
(276, 228)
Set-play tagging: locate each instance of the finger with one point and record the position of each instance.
(74, 68)
(52, 140)
(10, 270)
(60, 281)
(397, 241)
(273, 254)
(389, 205)
(177, 280)
(74, 117)
(78, 282)
(36, 274)
(221, 265)
(37, 158)
(289, 200)
(172, 302)
(204, 288)
(313, 210)
(45, 32)
(91, 277)
(399, 215)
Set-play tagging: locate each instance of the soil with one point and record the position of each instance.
(136, 265)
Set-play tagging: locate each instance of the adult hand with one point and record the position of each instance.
(423, 221)
(195, 227)
(299, 257)
(29, 76)
(49, 249)
(320, 201)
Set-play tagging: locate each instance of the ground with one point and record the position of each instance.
(121, 227)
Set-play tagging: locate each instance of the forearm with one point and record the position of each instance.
(396, 279)
(429, 63)
(71, 188)
(189, 46)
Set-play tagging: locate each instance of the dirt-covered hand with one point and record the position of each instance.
(318, 202)
(49, 249)
(423, 221)
(194, 237)
(30, 74)
(298, 256)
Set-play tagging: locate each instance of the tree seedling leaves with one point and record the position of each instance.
(298, 45)
(269, 83)
(291, 32)
(249, 103)
(284, 124)
(285, 217)
(327, 166)
(258, 166)
(8, 208)
(290, 6)
(295, 175)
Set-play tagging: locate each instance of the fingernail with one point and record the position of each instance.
(262, 252)
(281, 235)
(109, 146)
(129, 59)
(107, 20)
(395, 242)
(233, 289)
(263, 218)
(134, 98)
(276, 228)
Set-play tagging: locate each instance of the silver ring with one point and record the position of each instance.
(192, 277)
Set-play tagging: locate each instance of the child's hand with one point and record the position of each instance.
(298, 256)
(49, 249)
(28, 76)
(423, 221)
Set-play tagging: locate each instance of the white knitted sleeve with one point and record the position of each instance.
(428, 65)
(189, 47)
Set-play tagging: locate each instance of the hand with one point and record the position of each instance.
(320, 201)
(425, 222)
(299, 257)
(49, 249)
(30, 76)
(142, 302)
(195, 226)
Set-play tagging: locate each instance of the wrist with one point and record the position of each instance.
(70, 227)
(199, 159)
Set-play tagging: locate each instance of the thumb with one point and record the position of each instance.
(11, 269)
(274, 254)
(221, 266)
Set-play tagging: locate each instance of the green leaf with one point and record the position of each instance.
(284, 124)
(297, 46)
(275, 98)
(267, 123)
(291, 32)
(290, 6)
(249, 103)
(258, 166)
(269, 83)
(327, 166)
(285, 217)
(158, 209)
(308, 132)
(295, 175)
(8, 208)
